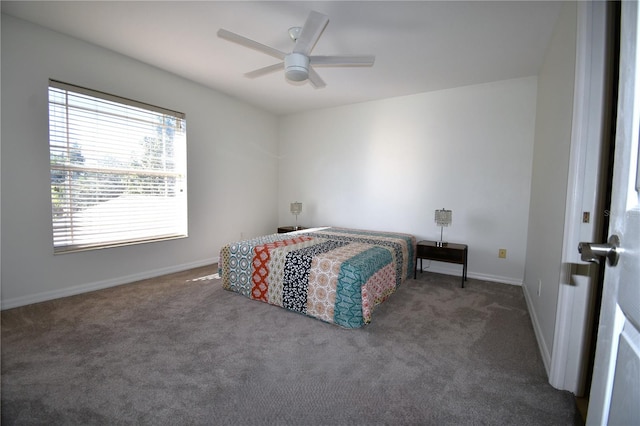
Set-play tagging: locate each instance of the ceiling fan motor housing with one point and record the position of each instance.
(296, 66)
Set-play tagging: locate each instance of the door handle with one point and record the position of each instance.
(591, 252)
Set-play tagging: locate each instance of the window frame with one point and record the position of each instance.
(164, 191)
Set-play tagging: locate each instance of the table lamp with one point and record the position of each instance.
(296, 209)
(443, 218)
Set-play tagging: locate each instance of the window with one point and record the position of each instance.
(118, 170)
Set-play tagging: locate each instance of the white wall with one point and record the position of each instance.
(550, 179)
(232, 167)
(387, 165)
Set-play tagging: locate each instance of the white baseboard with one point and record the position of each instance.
(453, 270)
(544, 350)
(99, 285)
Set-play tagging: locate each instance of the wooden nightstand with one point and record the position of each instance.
(450, 252)
(285, 229)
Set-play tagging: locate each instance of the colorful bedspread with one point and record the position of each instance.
(336, 275)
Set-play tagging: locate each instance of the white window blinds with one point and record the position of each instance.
(118, 170)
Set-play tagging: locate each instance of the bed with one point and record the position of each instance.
(336, 275)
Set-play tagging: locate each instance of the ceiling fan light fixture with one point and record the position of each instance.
(296, 67)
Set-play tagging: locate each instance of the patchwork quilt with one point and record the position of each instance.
(336, 275)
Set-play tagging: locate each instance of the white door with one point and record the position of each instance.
(615, 391)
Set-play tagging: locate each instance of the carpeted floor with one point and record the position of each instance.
(180, 350)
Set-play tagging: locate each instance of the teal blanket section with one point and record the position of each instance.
(240, 258)
(407, 237)
(354, 273)
(369, 237)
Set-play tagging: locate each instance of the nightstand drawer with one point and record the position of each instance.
(444, 254)
(449, 252)
(287, 229)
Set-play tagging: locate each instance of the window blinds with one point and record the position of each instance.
(118, 170)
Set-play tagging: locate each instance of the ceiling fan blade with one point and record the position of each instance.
(266, 70)
(236, 38)
(346, 60)
(311, 32)
(315, 79)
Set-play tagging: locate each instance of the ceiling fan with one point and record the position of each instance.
(298, 64)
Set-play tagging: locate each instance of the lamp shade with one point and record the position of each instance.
(296, 208)
(443, 217)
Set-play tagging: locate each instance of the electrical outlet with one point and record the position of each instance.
(502, 253)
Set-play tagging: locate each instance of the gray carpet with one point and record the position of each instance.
(175, 350)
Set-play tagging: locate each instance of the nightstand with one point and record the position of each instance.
(450, 252)
(285, 229)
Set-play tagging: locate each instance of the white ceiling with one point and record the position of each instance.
(420, 46)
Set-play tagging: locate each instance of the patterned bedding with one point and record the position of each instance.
(336, 275)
